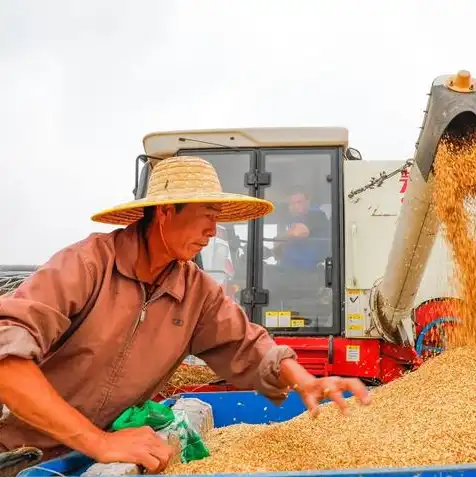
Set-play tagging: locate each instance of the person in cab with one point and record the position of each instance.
(304, 235)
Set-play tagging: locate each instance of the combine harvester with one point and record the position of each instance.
(367, 300)
(372, 300)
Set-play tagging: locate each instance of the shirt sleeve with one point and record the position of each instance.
(237, 350)
(38, 312)
(318, 224)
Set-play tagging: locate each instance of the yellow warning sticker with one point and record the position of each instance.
(355, 322)
(278, 319)
(285, 319)
(297, 323)
(271, 319)
(352, 353)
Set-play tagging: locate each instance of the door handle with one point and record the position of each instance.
(328, 265)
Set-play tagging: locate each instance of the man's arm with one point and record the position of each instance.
(35, 316)
(246, 355)
(31, 320)
(239, 351)
(318, 224)
(29, 396)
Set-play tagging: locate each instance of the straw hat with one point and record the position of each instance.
(186, 179)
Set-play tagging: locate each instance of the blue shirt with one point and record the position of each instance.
(306, 253)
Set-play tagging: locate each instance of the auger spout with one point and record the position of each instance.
(451, 113)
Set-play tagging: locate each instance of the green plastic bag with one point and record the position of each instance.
(191, 443)
(162, 418)
(151, 414)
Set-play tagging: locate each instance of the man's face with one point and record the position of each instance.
(186, 232)
(298, 204)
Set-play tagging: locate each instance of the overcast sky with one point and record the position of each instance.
(83, 81)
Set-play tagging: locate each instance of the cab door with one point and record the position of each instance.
(228, 258)
(300, 252)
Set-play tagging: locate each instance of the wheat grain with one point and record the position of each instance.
(426, 417)
(189, 375)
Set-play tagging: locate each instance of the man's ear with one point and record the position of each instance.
(159, 214)
(163, 211)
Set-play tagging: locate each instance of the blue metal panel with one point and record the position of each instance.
(247, 407)
(251, 408)
(453, 471)
(71, 464)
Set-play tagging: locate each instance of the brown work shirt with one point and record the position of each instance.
(128, 345)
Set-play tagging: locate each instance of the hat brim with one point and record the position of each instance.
(234, 207)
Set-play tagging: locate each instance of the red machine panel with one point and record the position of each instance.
(353, 357)
(326, 356)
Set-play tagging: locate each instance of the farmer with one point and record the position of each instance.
(132, 306)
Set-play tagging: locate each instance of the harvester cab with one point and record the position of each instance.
(287, 268)
(349, 266)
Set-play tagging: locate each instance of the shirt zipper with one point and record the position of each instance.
(143, 312)
(140, 319)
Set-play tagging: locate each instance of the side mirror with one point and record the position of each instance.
(353, 154)
(142, 180)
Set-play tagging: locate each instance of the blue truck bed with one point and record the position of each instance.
(251, 408)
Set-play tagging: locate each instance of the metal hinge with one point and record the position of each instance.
(257, 179)
(254, 296)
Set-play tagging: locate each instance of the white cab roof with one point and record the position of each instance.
(166, 144)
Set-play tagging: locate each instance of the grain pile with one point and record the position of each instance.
(189, 375)
(427, 417)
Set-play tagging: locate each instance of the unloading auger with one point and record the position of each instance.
(450, 114)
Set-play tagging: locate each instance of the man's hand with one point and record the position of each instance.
(315, 390)
(141, 446)
(299, 231)
(29, 395)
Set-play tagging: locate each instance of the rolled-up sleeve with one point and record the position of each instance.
(16, 340)
(39, 311)
(236, 349)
